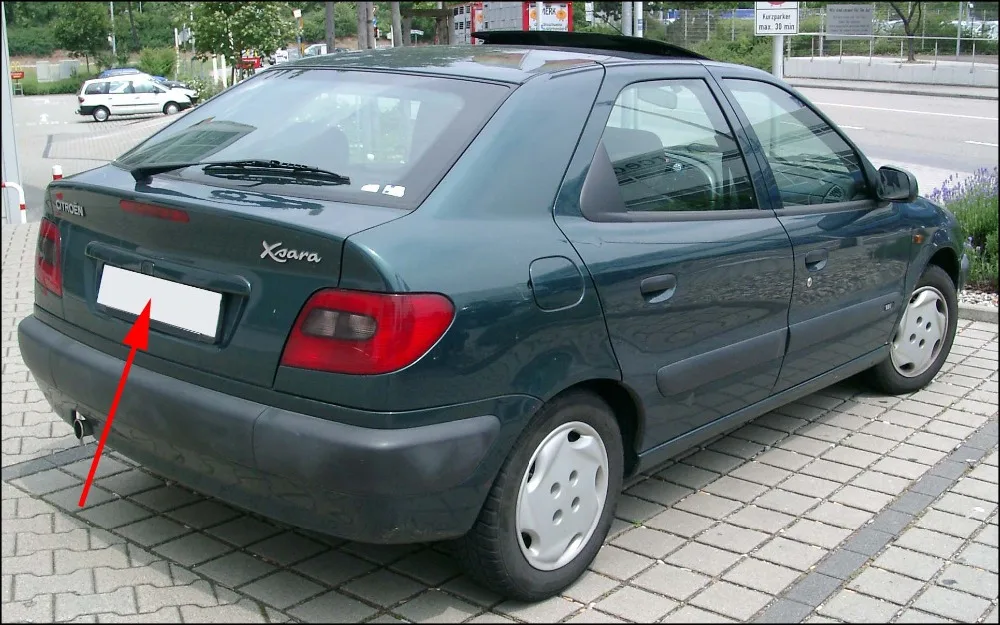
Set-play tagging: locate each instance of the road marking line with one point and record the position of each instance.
(851, 127)
(879, 108)
(991, 145)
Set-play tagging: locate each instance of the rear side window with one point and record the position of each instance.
(97, 88)
(393, 135)
(672, 150)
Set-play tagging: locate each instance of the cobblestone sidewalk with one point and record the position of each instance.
(845, 506)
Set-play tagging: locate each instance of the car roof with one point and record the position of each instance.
(506, 56)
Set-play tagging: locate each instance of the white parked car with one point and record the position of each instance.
(131, 94)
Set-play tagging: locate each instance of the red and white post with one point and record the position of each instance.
(56, 172)
(20, 198)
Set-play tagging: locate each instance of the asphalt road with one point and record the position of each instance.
(933, 137)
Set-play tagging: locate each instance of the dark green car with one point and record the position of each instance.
(442, 293)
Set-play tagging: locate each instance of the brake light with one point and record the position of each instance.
(366, 333)
(47, 265)
(79, 99)
(151, 210)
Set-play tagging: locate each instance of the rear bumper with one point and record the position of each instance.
(372, 485)
(85, 110)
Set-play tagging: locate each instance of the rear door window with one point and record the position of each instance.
(393, 135)
(673, 151)
(97, 88)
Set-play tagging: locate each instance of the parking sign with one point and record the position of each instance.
(776, 18)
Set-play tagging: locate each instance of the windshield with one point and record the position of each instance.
(393, 135)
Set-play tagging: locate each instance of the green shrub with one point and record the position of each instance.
(205, 87)
(158, 61)
(974, 203)
(752, 51)
(30, 41)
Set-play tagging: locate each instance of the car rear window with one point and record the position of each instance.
(394, 135)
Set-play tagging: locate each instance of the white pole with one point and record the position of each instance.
(627, 19)
(539, 10)
(20, 199)
(114, 42)
(10, 168)
(640, 26)
(958, 42)
(778, 56)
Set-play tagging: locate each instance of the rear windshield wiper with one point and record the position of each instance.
(145, 171)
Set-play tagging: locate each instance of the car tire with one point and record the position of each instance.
(497, 551)
(101, 114)
(922, 339)
(171, 108)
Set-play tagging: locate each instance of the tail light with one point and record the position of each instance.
(366, 333)
(79, 99)
(47, 265)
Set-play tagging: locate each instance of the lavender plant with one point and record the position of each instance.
(973, 200)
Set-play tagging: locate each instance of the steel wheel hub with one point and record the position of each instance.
(920, 335)
(562, 496)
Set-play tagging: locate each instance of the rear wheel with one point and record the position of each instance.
(101, 114)
(552, 503)
(922, 340)
(170, 108)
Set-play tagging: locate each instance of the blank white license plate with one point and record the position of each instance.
(179, 305)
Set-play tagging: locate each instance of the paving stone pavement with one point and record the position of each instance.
(844, 506)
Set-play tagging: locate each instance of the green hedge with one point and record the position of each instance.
(67, 85)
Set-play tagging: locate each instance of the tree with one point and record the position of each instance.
(362, 40)
(229, 28)
(135, 33)
(330, 23)
(398, 38)
(909, 24)
(82, 28)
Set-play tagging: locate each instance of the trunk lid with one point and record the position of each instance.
(233, 267)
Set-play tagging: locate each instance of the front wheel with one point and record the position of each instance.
(552, 504)
(922, 340)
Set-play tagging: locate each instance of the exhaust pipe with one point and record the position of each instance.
(81, 427)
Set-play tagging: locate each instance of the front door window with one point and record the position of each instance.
(811, 162)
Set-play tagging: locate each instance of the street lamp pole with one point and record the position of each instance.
(114, 43)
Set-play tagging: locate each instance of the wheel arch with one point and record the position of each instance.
(627, 410)
(947, 259)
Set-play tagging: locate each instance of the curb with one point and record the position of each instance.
(968, 96)
(978, 312)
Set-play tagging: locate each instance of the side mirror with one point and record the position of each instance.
(896, 185)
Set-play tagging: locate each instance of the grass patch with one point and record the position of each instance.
(974, 202)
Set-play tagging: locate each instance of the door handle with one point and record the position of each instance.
(816, 260)
(656, 289)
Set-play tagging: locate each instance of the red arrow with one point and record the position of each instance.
(137, 338)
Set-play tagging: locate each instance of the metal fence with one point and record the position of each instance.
(936, 32)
